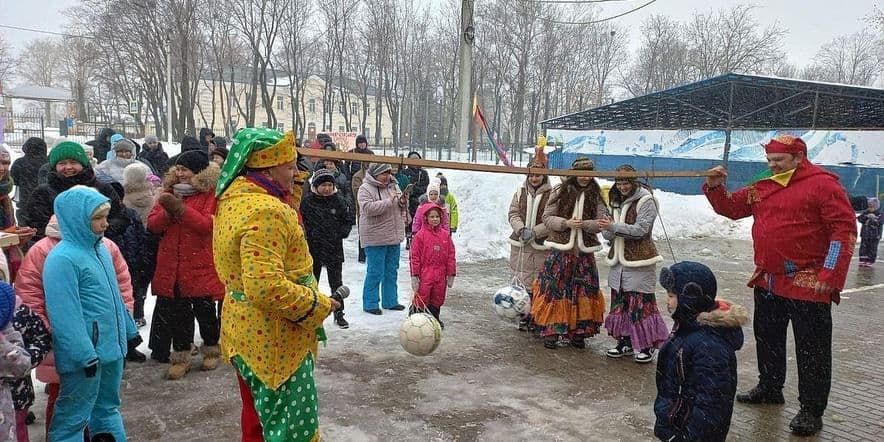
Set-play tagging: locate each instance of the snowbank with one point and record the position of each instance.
(483, 201)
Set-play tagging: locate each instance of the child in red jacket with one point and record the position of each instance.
(433, 264)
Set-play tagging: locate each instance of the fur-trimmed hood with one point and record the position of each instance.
(727, 321)
(204, 181)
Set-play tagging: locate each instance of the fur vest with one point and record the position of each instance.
(531, 206)
(633, 251)
(568, 238)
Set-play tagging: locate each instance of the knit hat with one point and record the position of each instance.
(116, 137)
(190, 143)
(414, 154)
(361, 139)
(786, 144)
(124, 144)
(7, 304)
(151, 139)
(221, 152)
(195, 160)
(378, 168)
(874, 203)
(693, 284)
(68, 150)
(323, 176)
(433, 186)
(135, 173)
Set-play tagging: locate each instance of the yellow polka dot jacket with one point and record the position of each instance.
(272, 309)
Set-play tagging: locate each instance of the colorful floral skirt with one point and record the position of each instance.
(567, 301)
(635, 314)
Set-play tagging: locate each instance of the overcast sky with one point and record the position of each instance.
(810, 22)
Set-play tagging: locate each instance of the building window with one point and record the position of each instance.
(311, 105)
(353, 109)
(280, 127)
(341, 108)
(340, 128)
(280, 103)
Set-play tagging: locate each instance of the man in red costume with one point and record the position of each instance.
(803, 236)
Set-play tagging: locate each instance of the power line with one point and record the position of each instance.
(599, 20)
(40, 31)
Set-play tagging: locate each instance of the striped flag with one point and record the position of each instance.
(492, 140)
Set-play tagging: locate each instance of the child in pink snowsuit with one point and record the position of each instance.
(433, 264)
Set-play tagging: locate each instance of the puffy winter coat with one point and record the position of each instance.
(83, 301)
(421, 213)
(157, 158)
(185, 252)
(432, 256)
(355, 166)
(381, 218)
(38, 343)
(872, 224)
(273, 307)
(114, 168)
(697, 376)
(40, 204)
(101, 144)
(29, 286)
(453, 213)
(419, 178)
(25, 170)
(803, 233)
(327, 221)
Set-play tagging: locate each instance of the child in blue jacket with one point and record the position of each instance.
(90, 324)
(697, 366)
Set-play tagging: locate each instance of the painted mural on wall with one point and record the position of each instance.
(824, 147)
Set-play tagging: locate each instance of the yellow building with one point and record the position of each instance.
(217, 103)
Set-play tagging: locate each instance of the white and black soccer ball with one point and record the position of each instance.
(511, 302)
(420, 334)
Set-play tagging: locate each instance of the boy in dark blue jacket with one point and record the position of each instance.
(697, 366)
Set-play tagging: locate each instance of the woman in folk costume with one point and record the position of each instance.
(527, 251)
(273, 311)
(567, 302)
(634, 319)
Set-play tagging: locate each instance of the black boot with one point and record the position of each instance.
(762, 395)
(340, 321)
(103, 437)
(133, 355)
(435, 312)
(550, 342)
(806, 423)
(578, 342)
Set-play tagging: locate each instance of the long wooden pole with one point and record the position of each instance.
(402, 161)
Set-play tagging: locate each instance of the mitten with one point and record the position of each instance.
(526, 234)
(172, 204)
(450, 281)
(340, 294)
(415, 283)
(91, 368)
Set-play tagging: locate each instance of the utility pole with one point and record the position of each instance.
(169, 90)
(465, 89)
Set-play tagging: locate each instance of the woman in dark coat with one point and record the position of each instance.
(25, 170)
(101, 144)
(152, 153)
(69, 166)
(328, 219)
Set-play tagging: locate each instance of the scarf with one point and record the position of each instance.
(269, 186)
(182, 190)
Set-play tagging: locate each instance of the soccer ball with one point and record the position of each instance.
(420, 334)
(511, 302)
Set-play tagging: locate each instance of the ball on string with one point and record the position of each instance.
(420, 334)
(511, 302)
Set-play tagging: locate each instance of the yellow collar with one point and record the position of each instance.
(783, 178)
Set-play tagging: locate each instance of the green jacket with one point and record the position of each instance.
(452, 209)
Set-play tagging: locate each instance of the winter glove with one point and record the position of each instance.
(453, 230)
(415, 283)
(451, 281)
(526, 235)
(91, 368)
(173, 205)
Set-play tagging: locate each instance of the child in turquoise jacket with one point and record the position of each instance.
(90, 324)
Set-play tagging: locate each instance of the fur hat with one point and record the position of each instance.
(323, 176)
(694, 284)
(583, 163)
(151, 139)
(195, 160)
(378, 168)
(124, 144)
(68, 150)
(135, 173)
(7, 304)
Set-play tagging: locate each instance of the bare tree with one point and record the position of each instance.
(731, 41)
(40, 62)
(850, 59)
(662, 59)
(7, 62)
(296, 42)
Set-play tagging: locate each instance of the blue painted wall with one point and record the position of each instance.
(858, 180)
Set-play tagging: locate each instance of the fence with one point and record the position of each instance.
(447, 152)
(17, 128)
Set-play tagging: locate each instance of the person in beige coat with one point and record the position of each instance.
(140, 193)
(527, 251)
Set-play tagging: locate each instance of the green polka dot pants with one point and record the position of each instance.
(287, 414)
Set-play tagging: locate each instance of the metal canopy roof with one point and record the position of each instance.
(738, 101)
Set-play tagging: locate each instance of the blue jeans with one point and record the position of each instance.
(382, 266)
(92, 402)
